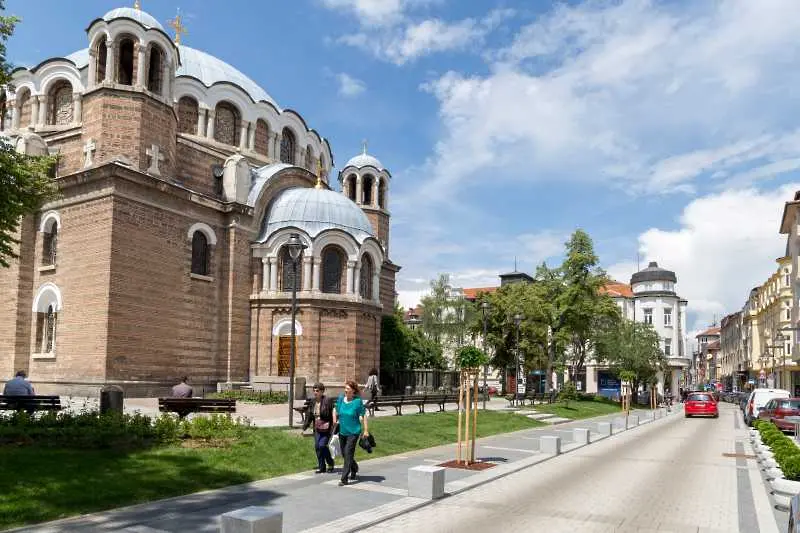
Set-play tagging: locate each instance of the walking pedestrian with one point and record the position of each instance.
(320, 414)
(373, 386)
(349, 416)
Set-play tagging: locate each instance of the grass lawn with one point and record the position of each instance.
(39, 484)
(579, 409)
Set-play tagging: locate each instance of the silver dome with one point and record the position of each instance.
(145, 19)
(364, 160)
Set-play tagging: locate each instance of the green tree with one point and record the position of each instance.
(406, 349)
(25, 182)
(424, 352)
(634, 350)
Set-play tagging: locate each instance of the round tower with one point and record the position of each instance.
(366, 182)
(654, 279)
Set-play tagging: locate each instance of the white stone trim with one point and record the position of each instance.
(373, 248)
(336, 237)
(47, 294)
(47, 217)
(279, 238)
(287, 323)
(206, 229)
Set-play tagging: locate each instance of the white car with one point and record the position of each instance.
(758, 399)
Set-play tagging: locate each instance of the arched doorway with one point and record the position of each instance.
(283, 342)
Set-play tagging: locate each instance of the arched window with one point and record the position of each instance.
(366, 186)
(332, 260)
(50, 242)
(125, 68)
(24, 106)
(155, 71)
(382, 193)
(60, 109)
(365, 281)
(226, 124)
(323, 167)
(188, 111)
(290, 276)
(101, 58)
(47, 306)
(288, 147)
(351, 187)
(309, 162)
(262, 137)
(201, 254)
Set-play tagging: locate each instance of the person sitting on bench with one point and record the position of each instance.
(18, 386)
(182, 389)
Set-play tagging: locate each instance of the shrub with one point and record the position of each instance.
(787, 454)
(470, 357)
(568, 393)
(791, 467)
(251, 396)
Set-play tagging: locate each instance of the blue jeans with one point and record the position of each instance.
(321, 447)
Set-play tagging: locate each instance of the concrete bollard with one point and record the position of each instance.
(426, 482)
(550, 445)
(252, 520)
(620, 424)
(581, 435)
(604, 428)
(632, 421)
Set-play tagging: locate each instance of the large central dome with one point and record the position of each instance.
(314, 211)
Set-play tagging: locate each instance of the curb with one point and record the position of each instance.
(365, 519)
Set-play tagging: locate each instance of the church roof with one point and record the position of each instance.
(364, 160)
(313, 211)
(145, 19)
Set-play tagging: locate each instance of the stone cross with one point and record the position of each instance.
(88, 150)
(156, 157)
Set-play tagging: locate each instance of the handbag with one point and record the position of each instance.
(321, 425)
(334, 446)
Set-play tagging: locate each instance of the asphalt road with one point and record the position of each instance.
(671, 476)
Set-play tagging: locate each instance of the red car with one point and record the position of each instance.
(700, 404)
(777, 409)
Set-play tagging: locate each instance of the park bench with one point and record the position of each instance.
(420, 400)
(184, 406)
(30, 403)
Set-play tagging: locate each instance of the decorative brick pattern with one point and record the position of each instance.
(188, 111)
(226, 124)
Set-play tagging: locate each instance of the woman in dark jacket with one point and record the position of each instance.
(320, 415)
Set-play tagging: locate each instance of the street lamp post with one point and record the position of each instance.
(296, 247)
(517, 321)
(485, 310)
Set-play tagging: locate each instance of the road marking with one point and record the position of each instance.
(509, 449)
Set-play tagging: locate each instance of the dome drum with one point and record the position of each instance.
(653, 273)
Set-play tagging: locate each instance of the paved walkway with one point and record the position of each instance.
(671, 476)
(315, 501)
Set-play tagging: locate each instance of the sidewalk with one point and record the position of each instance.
(310, 500)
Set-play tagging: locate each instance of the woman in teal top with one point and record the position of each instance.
(350, 416)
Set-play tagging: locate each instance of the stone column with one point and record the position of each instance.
(243, 135)
(77, 108)
(300, 157)
(357, 281)
(92, 68)
(359, 191)
(34, 110)
(376, 284)
(386, 194)
(251, 141)
(14, 115)
(351, 272)
(210, 126)
(42, 109)
(141, 51)
(375, 192)
(276, 147)
(273, 274)
(306, 273)
(265, 274)
(168, 78)
(201, 121)
(111, 62)
(315, 277)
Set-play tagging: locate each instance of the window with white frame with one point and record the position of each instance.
(668, 347)
(648, 316)
(668, 316)
(47, 307)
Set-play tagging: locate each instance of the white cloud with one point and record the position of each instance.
(350, 86)
(726, 245)
(372, 12)
(412, 40)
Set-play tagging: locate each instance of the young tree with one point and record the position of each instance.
(25, 183)
(634, 349)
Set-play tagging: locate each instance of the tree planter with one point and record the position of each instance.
(783, 490)
(774, 473)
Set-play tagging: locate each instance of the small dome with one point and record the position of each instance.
(364, 160)
(145, 19)
(653, 272)
(314, 211)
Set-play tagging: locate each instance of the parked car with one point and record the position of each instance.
(701, 404)
(758, 399)
(777, 409)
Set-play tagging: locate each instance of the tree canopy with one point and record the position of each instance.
(634, 349)
(25, 181)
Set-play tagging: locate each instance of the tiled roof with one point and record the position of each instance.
(472, 294)
(709, 332)
(617, 289)
(412, 313)
(713, 346)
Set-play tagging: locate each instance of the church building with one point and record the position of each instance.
(181, 181)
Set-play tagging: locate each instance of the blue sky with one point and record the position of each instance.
(667, 129)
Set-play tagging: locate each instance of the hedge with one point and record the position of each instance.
(787, 454)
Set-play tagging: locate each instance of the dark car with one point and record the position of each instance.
(778, 409)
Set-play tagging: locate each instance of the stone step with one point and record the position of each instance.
(555, 420)
(541, 416)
